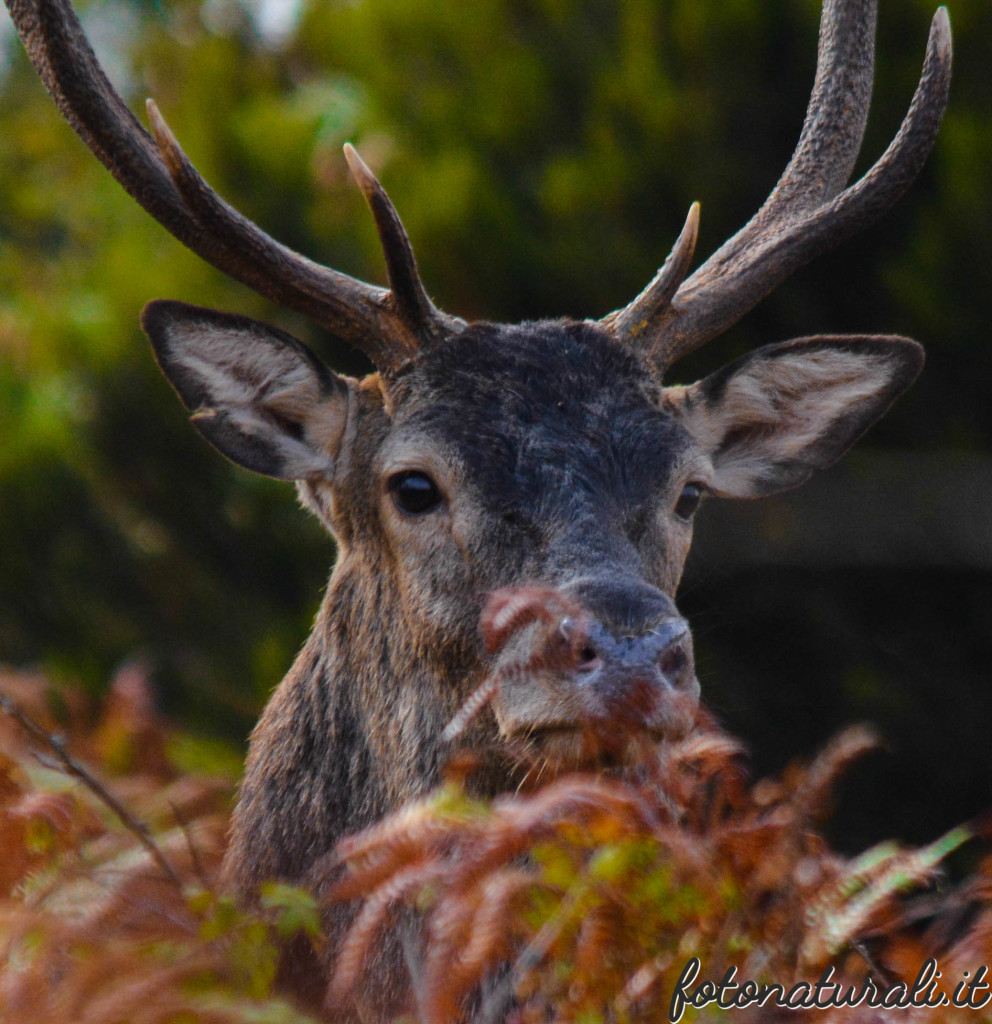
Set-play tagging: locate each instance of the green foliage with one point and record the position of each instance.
(543, 154)
(296, 911)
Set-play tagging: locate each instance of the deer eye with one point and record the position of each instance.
(689, 499)
(414, 493)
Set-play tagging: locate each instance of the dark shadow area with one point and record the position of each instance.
(788, 656)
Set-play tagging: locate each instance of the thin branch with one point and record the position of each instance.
(194, 852)
(79, 771)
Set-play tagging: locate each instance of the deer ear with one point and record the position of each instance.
(257, 395)
(768, 420)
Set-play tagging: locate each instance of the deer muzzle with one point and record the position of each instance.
(580, 681)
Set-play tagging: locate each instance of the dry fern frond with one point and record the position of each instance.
(582, 900)
(586, 898)
(869, 885)
(92, 929)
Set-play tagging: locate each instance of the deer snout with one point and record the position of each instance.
(570, 674)
(664, 650)
(632, 631)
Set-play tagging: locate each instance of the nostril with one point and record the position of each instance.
(581, 648)
(673, 660)
(588, 659)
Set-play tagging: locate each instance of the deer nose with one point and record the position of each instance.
(563, 667)
(664, 649)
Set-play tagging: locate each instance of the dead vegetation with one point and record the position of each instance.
(585, 899)
(110, 917)
(599, 892)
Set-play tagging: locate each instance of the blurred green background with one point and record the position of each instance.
(543, 154)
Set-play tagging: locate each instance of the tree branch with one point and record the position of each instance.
(79, 771)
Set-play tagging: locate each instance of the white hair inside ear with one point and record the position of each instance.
(769, 420)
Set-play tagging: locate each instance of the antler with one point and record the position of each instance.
(809, 211)
(389, 326)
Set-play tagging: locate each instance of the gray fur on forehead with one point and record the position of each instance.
(542, 363)
(540, 401)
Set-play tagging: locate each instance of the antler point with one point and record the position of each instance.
(360, 170)
(164, 137)
(941, 30)
(692, 221)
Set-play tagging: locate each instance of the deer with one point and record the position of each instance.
(484, 458)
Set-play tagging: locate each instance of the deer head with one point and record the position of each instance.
(482, 456)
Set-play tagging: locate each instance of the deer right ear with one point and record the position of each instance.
(771, 418)
(257, 395)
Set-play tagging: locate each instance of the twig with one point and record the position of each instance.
(79, 771)
(194, 852)
(409, 936)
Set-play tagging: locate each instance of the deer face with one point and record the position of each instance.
(544, 455)
(548, 458)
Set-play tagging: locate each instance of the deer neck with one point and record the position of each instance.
(352, 731)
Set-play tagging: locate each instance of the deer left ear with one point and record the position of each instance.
(768, 420)
(257, 395)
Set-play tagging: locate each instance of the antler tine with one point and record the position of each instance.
(401, 265)
(639, 316)
(807, 213)
(158, 175)
(401, 324)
